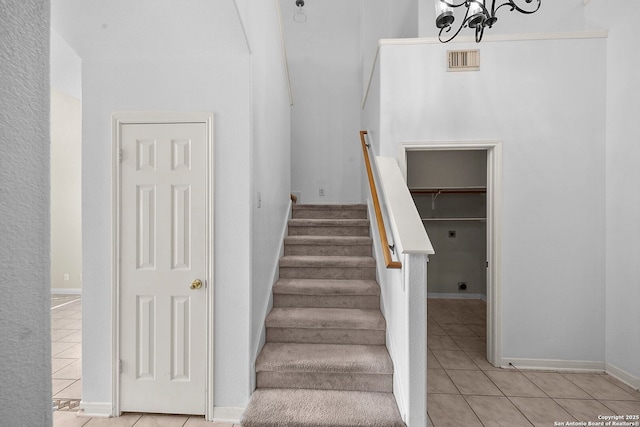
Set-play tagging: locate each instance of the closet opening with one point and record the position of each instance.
(456, 187)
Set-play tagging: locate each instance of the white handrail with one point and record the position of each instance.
(406, 225)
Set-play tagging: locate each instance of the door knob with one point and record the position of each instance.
(196, 284)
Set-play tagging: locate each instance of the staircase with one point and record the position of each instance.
(324, 362)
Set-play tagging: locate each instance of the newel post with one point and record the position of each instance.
(415, 266)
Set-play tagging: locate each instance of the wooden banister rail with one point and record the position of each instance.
(390, 263)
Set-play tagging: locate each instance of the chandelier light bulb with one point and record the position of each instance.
(476, 13)
(299, 15)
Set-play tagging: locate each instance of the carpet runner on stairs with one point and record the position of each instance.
(325, 362)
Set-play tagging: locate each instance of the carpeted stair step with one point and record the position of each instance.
(321, 408)
(327, 267)
(328, 227)
(326, 326)
(325, 367)
(328, 245)
(330, 211)
(324, 293)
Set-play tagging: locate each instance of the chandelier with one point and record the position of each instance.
(479, 14)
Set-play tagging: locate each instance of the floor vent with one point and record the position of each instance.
(463, 60)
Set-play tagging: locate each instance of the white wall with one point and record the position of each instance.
(385, 19)
(325, 65)
(66, 189)
(545, 100)
(271, 151)
(623, 195)
(66, 165)
(66, 67)
(168, 56)
(219, 85)
(25, 351)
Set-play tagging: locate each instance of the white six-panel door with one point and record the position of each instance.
(163, 312)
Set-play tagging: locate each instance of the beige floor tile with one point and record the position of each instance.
(514, 384)
(450, 359)
(162, 421)
(126, 420)
(475, 320)
(62, 313)
(73, 352)
(58, 385)
(58, 347)
(59, 334)
(584, 410)
(599, 387)
(200, 422)
(472, 343)
(479, 330)
(480, 359)
(68, 419)
(71, 372)
(433, 329)
(496, 411)
(446, 318)
(456, 329)
(622, 407)
(541, 411)
(432, 362)
(556, 386)
(448, 410)
(75, 336)
(73, 391)
(473, 382)
(632, 391)
(62, 323)
(441, 342)
(59, 363)
(439, 382)
(75, 324)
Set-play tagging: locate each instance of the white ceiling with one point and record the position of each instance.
(148, 28)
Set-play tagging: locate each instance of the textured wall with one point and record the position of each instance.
(25, 352)
(553, 134)
(623, 197)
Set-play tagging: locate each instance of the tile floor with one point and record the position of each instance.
(463, 389)
(66, 363)
(66, 350)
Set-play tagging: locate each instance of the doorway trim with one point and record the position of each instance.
(494, 228)
(146, 117)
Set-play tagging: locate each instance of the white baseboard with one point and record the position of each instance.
(66, 291)
(227, 414)
(619, 374)
(436, 295)
(95, 409)
(555, 365)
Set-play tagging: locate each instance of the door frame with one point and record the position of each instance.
(494, 229)
(146, 117)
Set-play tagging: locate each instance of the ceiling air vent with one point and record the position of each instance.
(463, 60)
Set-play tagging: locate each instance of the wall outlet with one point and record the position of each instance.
(66, 276)
(462, 286)
(321, 192)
